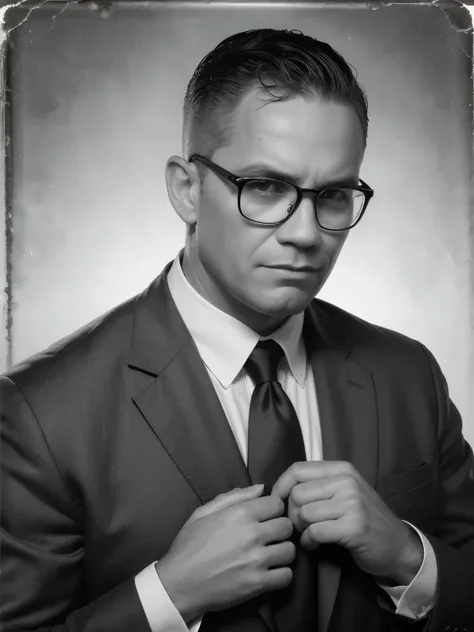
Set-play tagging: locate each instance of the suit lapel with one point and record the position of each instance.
(178, 400)
(183, 410)
(349, 429)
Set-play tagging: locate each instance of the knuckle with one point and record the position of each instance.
(258, 536)
(354, 505)
(253, 560)
(355, 524)
(257, 558)
(313, 530)
(288, 527)
(278, 504)
(296, 496)
(347, 467)
(304, 513)
(297, 467)
(349, 482)
(241, 512)
(253, 535)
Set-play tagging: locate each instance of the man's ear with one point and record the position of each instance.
(184, 186)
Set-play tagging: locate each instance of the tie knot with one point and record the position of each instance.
(263, 362)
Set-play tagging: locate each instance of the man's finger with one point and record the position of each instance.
(329, 532)
(305, 471)
(321, 511)
(223, 501)
(341, 486)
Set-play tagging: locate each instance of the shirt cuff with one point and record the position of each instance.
(161, 613)
(417, 599)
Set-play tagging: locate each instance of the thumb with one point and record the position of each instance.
(223, 501)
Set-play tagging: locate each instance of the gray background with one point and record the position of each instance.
(97, 111)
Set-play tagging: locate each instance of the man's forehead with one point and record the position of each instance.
(300, 119)
(308, 136)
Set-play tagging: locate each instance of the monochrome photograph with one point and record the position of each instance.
(237, 357)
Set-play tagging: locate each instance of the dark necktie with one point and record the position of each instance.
(274, 443)
(274, 440)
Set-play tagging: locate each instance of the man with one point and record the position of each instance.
(224, 452)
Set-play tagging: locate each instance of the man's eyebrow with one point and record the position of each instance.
(350, 181)
(266, 171)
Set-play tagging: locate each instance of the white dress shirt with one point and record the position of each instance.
(224, 345)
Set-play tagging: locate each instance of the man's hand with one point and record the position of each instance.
(230, 550)
(330, 502)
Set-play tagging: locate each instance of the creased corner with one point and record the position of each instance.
(470, 10)
(12, 20)
(458, 14)
(460, 17)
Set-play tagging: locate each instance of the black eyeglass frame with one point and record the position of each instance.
(240, 182)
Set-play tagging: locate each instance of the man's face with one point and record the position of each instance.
(308, 141)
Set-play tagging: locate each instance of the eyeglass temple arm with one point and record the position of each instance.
(233, 178)
(213, 167)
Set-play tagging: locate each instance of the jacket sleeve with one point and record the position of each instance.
(42, 541)
(453, 544)
(454, 541)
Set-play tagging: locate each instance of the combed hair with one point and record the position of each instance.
(283, 63)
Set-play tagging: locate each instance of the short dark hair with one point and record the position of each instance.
(284, 61)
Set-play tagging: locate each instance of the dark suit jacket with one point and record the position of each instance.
(112, 437)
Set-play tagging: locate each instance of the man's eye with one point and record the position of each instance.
(336, 195)
(267, 186)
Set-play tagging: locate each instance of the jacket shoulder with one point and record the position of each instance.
(92, 348)
(368, 339)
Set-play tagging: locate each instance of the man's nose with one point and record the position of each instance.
(302, 228)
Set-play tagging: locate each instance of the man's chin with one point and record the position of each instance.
(285, 302)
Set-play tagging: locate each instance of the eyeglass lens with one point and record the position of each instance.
(270, 201)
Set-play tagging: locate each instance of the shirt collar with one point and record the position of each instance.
(224, 343)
